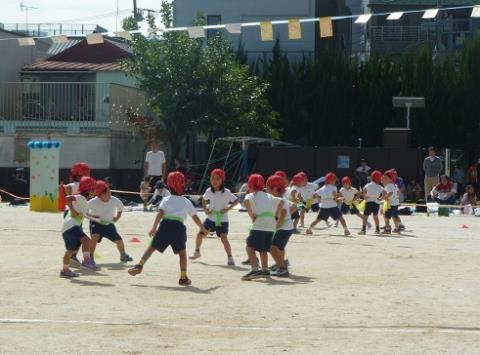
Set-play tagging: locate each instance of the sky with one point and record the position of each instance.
(65, 10)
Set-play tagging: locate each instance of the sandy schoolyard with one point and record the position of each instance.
(413, 294)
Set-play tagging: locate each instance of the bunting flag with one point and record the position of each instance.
(294, 29)
(476, 12)
(124, 34)
(326, 27)
(26, 41)
(363, 19)
(59, 39)
(196, 32)
(234, 28)
(95, 38)
(431, 13)
(395, 16)
(266, 31)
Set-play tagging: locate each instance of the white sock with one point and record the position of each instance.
(86, 255)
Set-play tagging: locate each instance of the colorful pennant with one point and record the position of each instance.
(234, 28)
(196, 32)
(266, 31)
(326, 27)
(26, 41)
(294, 29)
(95, 38)
(431, 13)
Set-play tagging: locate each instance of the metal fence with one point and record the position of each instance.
(50, 29)
(54, 101)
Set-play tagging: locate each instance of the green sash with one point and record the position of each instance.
(218, 218)
(173, 218)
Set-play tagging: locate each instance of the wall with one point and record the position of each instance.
(235, 11)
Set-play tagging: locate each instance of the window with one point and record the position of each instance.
(213, 20)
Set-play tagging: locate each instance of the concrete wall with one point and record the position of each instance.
(235, 11)
(13, 57)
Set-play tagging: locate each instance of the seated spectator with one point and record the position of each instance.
(414, 191)
(363, 172)
(444, 193)
(469, 200)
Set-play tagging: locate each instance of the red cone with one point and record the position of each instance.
(134, 240)
(464, 226)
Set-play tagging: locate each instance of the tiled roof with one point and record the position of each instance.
(425, 2)
(72, 66)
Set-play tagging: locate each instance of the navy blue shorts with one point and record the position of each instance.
(371, 208)
(108, 231)
(170, 233)
(260, 240)
(314, 208)
(219, 230)
(280, 238)
(346, 208)
(392, 212)
(332, 212)
(73, 238)
(295, 215)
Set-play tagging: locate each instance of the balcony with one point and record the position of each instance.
(452, 33)
(69, 107)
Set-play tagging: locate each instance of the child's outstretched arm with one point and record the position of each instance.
(158, 218)
(200, 225)
(231, 206)
(205, 206)
(119, 214)
(281, 214)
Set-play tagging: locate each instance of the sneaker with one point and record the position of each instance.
(362, 232)
(68, 273)
(369, 225)
(254, 274)
(247, 262)
(302, 225)
(309, 231)
(346, 233)
(335, 225)
(125, 257)
(377, 230)
(137, 269)
(387, 231)
(265, 273)
(296, 231)
(273, 267)
(74, 262)
(281, 272)
(397, 231)
(402, 227)
(286, 263)
(89, 264)
(195, 255)
(185, 281)
(230, 261)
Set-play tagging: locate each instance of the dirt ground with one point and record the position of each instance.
(414, 294)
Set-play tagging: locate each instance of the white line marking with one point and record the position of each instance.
(17, 320)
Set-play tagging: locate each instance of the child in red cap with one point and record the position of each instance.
(169, 228)
(217, 202)
(392, 201)
(303, 192)
(329, 196)
(72, 231)
(262, 209)
(106, 210)
(349, 195)
(372, 193)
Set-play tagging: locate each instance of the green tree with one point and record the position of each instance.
(194, 85)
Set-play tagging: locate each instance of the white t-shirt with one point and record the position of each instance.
(373, 192)
(81, 206)
(218, 201)
(74, 186)
(288, 224)
(306, 191)
(177, 206)
(261, 202)
(155, 163)
(349, 195)
(106, 211)
(163, 193)
(394, 199)
(326, 195)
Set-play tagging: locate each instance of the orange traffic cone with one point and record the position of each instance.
(134, 240)
(61, 197)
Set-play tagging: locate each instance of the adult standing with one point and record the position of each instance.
(363, 172)
(155, 166)
(432, 166)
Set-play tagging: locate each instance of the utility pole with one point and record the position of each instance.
(26, 8)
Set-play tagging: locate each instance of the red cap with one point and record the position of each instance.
(86, 184)
(392, 174)
(276, 182)
(100, 187)
(256, 182)
(176, 182)
(80, 169)
(346, 180)
(376, 176)
(330, 178)
(281, 173)
(220, 173)
(299, 178)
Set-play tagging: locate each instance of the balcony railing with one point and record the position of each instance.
(68, 106)
(50, 29)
